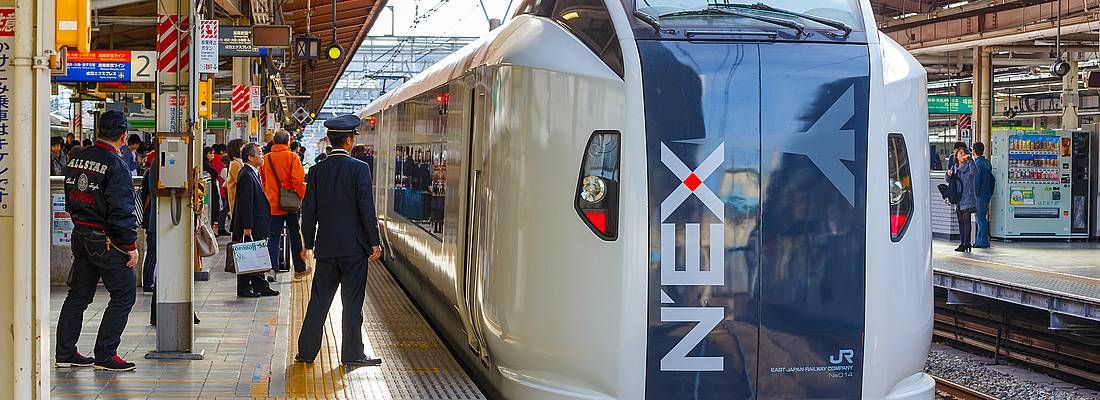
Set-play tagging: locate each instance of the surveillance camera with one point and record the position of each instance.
(1059, 68)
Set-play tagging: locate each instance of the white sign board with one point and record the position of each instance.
(256, 103)
(208, 46)
(174, 113)
(271, 122)
(7, 36)
(143, 66)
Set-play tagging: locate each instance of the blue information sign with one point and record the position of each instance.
(98, 66)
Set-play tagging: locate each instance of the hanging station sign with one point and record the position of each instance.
(950, 105)
(236, 41)
(110, 66)
(208, 46)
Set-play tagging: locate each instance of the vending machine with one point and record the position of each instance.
(1035, 191)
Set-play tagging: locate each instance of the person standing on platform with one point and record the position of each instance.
(99, 195)
(283, 170)
(984, 193)
(339, 219)
(212, 186)
(57, 158)
(234, 169)
(966, 173)
(149, 202)
(251, 217)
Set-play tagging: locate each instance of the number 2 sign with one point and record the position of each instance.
(143, 66)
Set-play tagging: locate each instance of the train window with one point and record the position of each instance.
(591, 23)
(420, 173)
(588, 20)
(901, 186)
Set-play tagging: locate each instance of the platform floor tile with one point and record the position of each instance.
(1059, 268)
(249, 345)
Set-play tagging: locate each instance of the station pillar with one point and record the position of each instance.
(242, 75)
(983, 95)
(176, 116)
(24, 199)
(1070, 83)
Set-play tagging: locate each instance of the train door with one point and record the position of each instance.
(476, 241)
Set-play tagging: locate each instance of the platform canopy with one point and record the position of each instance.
(130, 25)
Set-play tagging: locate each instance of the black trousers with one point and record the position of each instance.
(149, 271)
(964, 226)
(93, 259)
(349, 274)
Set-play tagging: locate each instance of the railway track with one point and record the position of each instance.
(1026, 341)
(956, 391)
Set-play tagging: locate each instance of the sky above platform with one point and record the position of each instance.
(439, 18)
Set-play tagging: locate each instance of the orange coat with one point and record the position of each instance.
(291, 175)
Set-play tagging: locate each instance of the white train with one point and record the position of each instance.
(671, 201)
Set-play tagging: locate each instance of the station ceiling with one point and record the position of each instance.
(130, 25)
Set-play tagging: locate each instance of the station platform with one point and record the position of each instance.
(1060, 277)
(249, 346)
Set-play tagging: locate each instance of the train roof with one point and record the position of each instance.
(525, 40)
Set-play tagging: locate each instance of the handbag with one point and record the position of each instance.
(205, 241)
(250, 257)
(288, 199)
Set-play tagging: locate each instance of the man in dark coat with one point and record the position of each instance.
(984, 192)
(99, 195)
(251, 217)
(338, 217)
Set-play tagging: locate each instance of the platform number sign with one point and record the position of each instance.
(143, 66)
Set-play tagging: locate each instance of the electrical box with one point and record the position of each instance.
(173, 162)
(206, 103)
(73, 24)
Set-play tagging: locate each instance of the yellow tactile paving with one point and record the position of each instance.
(325, 378)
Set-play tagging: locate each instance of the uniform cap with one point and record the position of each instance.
(343, 124)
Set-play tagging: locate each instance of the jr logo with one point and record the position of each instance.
(844, 355)
(693, 274)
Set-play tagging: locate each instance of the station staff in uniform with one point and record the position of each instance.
(99, 194)
(338, 217)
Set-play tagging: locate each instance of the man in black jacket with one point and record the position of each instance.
(99, 195)
(338, 217)
(251, 217)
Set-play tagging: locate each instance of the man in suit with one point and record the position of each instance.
(984, 193)
(338, 217)
(251, 217)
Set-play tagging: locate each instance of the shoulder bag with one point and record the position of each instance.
(288, 199)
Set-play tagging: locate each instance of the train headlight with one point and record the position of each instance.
(897, 192)
(593, 189)
(597, 196)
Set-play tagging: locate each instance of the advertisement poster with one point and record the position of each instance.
(1021, 196)
(61, 231)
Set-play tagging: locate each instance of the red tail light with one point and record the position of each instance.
(901, 186)
(597, 197)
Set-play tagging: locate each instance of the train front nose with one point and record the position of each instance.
(757, 169)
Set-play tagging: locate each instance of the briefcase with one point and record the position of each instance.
(250, 257)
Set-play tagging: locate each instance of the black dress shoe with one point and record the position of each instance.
(269, 292)
(250, 294)
(148, 289)
(364, 362)
(298, 359)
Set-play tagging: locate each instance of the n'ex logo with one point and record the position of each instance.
(692, 183)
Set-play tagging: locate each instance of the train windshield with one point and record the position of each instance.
(800, 15)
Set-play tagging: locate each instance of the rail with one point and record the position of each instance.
(959, 392)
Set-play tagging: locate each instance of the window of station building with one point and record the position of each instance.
(588, 20)
(420, 173)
